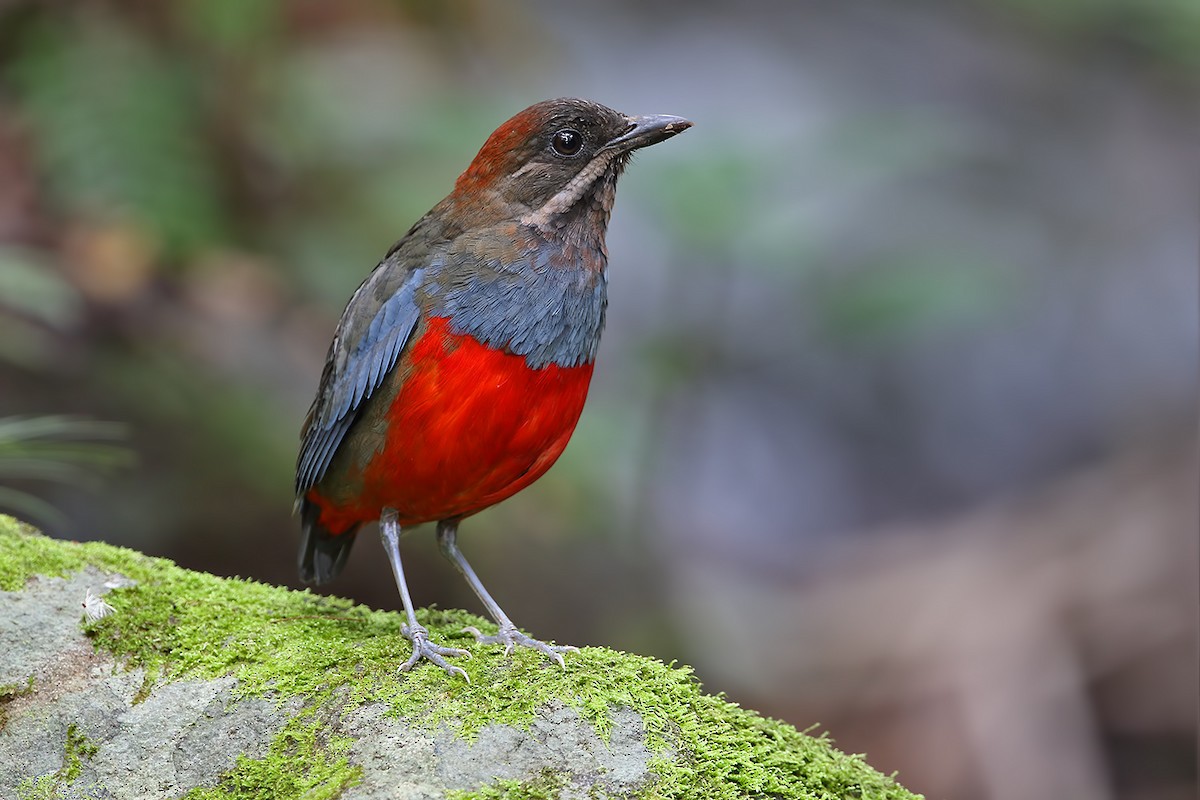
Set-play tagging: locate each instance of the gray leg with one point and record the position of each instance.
(508, 635)
(389, 530)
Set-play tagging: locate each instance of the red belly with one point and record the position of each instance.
(469, 427)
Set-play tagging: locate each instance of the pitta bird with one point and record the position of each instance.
(460, 366)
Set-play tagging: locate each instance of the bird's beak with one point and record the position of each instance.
(645, 131)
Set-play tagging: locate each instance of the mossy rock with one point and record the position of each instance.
(203, 687)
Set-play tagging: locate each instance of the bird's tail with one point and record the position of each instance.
(322, 552)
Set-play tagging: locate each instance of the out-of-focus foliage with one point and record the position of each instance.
(59, 449)
(1167, 30)
(120, 129)
(36, 297)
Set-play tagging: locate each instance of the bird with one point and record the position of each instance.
(460, 366)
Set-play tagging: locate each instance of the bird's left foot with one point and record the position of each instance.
(510, 637)
(434, 653)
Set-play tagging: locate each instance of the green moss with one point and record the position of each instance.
(547, 786)
(10, 692)
(77, 748)
(27, 553)
(301, 764)
(24, 553)
(47, 787)
(337, 655)
(43, 788)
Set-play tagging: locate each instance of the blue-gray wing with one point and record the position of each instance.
(373, 330)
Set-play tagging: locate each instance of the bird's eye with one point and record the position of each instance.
(567, 142)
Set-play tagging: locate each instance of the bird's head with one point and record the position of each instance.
(555, 155)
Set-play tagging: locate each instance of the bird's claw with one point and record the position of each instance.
(433, 653)
(510, 637)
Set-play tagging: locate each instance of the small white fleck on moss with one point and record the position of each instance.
(95, 608)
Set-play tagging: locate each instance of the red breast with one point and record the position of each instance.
(469, 427)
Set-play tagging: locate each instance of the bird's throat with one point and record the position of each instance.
(593, 188)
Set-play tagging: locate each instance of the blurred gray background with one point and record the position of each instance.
(893, 429)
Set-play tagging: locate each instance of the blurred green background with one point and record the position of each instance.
(893, 426)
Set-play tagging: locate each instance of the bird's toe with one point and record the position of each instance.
(435, 654)
(512, 638)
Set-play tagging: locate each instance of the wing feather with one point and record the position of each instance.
(365, 349)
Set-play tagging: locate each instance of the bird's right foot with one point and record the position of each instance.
(434, 653)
